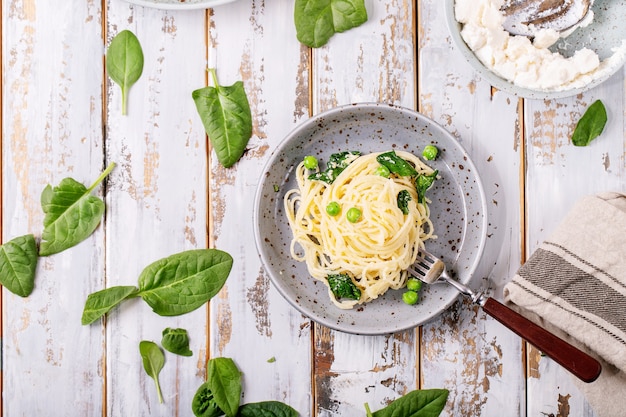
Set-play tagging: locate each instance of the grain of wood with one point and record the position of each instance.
(51, 130)
(270, 341)
(157, 201)
(371, 63)
(466, 349)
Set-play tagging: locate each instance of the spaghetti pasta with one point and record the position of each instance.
(374, 251)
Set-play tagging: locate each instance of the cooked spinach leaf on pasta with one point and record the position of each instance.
(342, 286)
(335, 166)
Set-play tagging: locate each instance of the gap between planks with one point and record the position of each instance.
(104, 32)
(209, 240)
(1, 195)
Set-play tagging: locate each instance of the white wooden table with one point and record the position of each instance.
(61, 117)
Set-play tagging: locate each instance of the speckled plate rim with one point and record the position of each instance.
(170, 5)
(500, 83)
(268, 218)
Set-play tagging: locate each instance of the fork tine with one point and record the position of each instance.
(427, 258)
(426, 268)
(433, 269)
(421, 266)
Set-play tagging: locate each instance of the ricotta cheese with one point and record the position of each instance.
(525, 63)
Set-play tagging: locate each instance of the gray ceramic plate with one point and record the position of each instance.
(458, 211)
(180, 4)
(605, 33)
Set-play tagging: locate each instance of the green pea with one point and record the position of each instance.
(353, 215)
(333, 208)
(413, 284)
(410, 297)
(310, 162)
(430, 152)
(383, 171)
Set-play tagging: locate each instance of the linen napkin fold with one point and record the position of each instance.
(574, 285)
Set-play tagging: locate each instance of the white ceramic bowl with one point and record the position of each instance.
(607, 31)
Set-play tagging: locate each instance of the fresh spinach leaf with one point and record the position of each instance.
(72, 214)
(267, 409)
(176, 341)
(185, 281)
(336, 164)
(221, 395)
(422, 183)
(317, 21)
(153, 361)
(225, 382)
(342, 286)
(172, 286)
(396, 164)
(227, 119)
(403, 201)
(124, 62)
(590, 125)
(18, 263)
(203, 403)
(101, 302)
(417, 403)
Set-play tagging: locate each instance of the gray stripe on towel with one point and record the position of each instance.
(583, 291)
(528, 290)
(587, 263)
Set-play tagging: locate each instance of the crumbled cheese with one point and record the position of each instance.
(525, 63)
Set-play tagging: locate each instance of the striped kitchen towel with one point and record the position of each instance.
(574, 284)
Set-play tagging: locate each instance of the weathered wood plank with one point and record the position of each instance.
(465, 350)
(559, 174)
(374, 62)
(52, 129)
(255, 41)
(157, 202)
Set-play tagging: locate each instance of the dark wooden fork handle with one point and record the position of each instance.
(574, 360)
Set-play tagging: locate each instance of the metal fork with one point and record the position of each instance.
(430, 269)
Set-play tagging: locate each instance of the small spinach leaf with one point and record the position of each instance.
(72, 214)
(225, 382)
(403, 201)
(18, 263)
(336, 164)
(176, 341)
(267, 409)
(590, 125)
(396, 165)
(227, 119)
(101, 302)
(153, 361)
(342, 286)
(318, 20)
(221, 395)
(124, 62)
(422, 183)
(203, 403)
(417, 403)
(185, 281)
